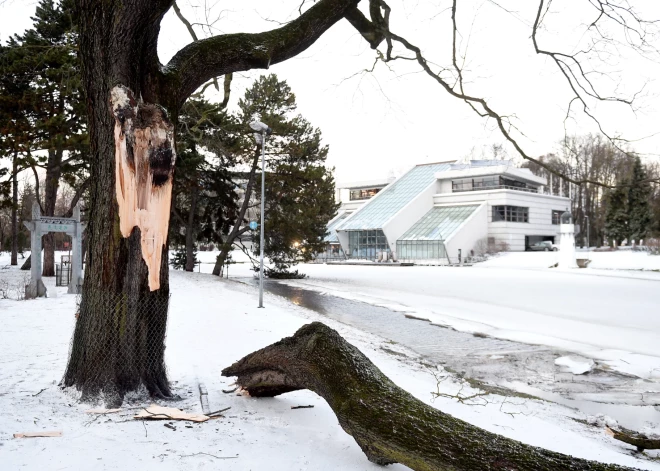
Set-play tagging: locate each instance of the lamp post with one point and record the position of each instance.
(587, 217)
(262, 130)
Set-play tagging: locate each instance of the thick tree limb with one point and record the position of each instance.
(389, 424)
(641, 441)
(202, 60)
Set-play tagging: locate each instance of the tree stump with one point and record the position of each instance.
(388, 423)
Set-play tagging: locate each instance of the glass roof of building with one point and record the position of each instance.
(376, 212)
(332, 234)
(439, 223)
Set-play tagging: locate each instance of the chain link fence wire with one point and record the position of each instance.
(118, 345)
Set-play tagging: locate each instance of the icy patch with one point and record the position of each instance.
(575, 365)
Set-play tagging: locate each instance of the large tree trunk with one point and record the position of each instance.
(190, 232)
(389, 424)
(119, 337)
(118, 342)
(53, 174)
(14, 211)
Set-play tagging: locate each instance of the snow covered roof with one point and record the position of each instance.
(381, 182)
(481, 168)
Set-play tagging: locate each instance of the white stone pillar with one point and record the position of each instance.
(567, 246)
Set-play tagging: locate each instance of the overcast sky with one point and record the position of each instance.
(380, 123)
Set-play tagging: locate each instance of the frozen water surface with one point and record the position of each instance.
(521, 367)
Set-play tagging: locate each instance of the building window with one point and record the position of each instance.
(485, 183)
(420, 250)
(364, 194)
(510, 214)
(366, 244)
(464, 184)
(489, 183)
(556, 216)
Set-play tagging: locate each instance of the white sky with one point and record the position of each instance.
(383, 122)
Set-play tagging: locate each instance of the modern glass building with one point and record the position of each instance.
(363, 231)
(425, 240)
(435, 212)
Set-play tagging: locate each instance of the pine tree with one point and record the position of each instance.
(639, 202)
(47, 103)
(299, 187)
(617, 217)
(203, 199)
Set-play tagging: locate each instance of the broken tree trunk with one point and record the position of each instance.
(389, 424)
(639, 440)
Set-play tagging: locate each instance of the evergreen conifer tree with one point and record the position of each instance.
(299, 187)
(47, 106)
(639, 202)
(616, 218)
(204, 197)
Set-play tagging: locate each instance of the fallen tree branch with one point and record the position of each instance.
(641, 441)
(388, 423)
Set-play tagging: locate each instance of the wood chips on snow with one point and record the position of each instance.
(169, 413)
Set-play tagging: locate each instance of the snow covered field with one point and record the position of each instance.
(617, 260)
(610, 318)
(213, 323)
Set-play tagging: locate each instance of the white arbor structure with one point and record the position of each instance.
(41, 225)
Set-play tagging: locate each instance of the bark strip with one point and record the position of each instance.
(389, 424)
(144, 166)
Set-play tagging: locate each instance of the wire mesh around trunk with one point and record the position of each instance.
(119, 345)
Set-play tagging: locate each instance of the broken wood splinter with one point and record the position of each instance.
(55, 433)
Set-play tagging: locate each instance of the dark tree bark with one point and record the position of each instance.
(119, 336)
(190, 232)
(53, 174)
(14, 210)
(389, 424)
(133, 100)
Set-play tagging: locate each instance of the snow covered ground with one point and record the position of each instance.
(617, 260)
(612, 319)
(215, 322)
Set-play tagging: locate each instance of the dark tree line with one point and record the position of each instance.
(42, 117)
(625, 206)
(218, 176)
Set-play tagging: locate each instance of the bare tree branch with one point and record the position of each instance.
(202, 60)
(377, 30)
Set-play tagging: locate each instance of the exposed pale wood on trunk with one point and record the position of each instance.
(144, 165)
(389, 424)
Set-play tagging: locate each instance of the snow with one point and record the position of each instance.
(616, 260)
(611, 319)
(577, 366)
(215, 322)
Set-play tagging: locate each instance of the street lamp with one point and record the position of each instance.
(587, 217)
(262, 130)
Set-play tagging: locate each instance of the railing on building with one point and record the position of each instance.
(496, 187)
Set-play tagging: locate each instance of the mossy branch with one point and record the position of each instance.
(389, 424)
(202, 60)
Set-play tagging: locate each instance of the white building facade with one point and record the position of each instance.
(435, 212)
(352, 196)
